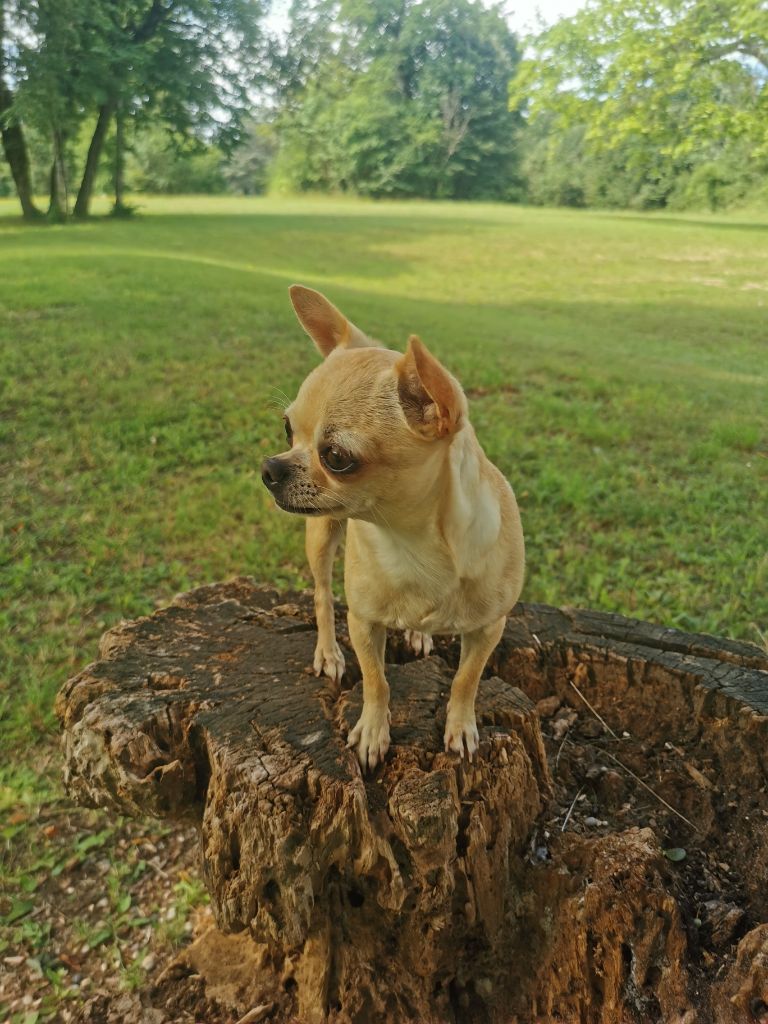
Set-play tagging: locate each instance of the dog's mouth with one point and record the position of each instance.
(306, 511)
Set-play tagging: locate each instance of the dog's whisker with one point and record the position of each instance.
(281, 400)
(326, 493)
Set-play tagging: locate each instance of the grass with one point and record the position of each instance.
(616, 366)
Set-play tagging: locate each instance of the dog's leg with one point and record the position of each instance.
(322, 541)
(460, 725)
(371, 733)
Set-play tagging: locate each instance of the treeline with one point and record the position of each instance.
(80, 79)
(648, 104)
(627, 104)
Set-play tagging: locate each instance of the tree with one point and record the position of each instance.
(677, 74)
(247, 170)
(185, 64)
(12, 132)
(60, 60)
(401, 98)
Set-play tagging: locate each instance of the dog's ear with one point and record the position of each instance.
(326, 325)
(432, 399)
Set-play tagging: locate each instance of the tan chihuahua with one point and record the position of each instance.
(434, 543)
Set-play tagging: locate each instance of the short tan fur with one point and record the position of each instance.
(382, 442)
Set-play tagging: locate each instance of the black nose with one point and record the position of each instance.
(273, 472)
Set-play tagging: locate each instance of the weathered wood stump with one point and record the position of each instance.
(421, 893)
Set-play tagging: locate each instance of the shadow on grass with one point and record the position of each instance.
(664, 220)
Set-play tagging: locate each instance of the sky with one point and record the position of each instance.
(523, 18)
(526, 17)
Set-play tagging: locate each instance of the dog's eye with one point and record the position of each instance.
(288, 431)
(337, 460)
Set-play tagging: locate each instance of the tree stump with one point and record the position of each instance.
(433, 890)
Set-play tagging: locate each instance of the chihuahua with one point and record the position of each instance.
(382, 441)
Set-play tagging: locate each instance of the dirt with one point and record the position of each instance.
(76, 944)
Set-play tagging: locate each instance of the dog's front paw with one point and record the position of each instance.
(371, 736)
(329, 661)
(420, 643)
(461, 731)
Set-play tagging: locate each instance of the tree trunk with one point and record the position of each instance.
(58, 207)
(119, 206)
(14, 144)
(437, 890)
(85, 192)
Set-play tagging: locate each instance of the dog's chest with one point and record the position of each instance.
(407, 587)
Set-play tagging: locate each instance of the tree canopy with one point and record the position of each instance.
(398, 97)
(663, 86)
(185, 63)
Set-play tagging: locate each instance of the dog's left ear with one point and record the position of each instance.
(432, 399)
(326, 325)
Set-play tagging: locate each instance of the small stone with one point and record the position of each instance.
(547, 706)
(591, 821)
(563, 722)
(724, 919)
(148, 962)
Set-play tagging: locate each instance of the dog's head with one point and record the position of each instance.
(364, 423)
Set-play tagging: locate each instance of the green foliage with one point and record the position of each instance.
(6, 181)
(162, 163)
(170, 64)
(405, 98)
(671, 97)
(248, 169)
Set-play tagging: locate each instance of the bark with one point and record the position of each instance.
(119, 162)
(155, 16)
(417, 894)
(15, 149)
(85, 192)
(58, 207)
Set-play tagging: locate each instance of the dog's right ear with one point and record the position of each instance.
(326, 325)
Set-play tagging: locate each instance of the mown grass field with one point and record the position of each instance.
(617, 367)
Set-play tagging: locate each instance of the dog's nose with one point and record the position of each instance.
(273, 472)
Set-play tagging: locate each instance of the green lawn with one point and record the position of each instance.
(617, 367)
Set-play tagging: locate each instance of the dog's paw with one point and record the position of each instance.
(420, 643)
(461, 731)
(329, 661)
(371, 736)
